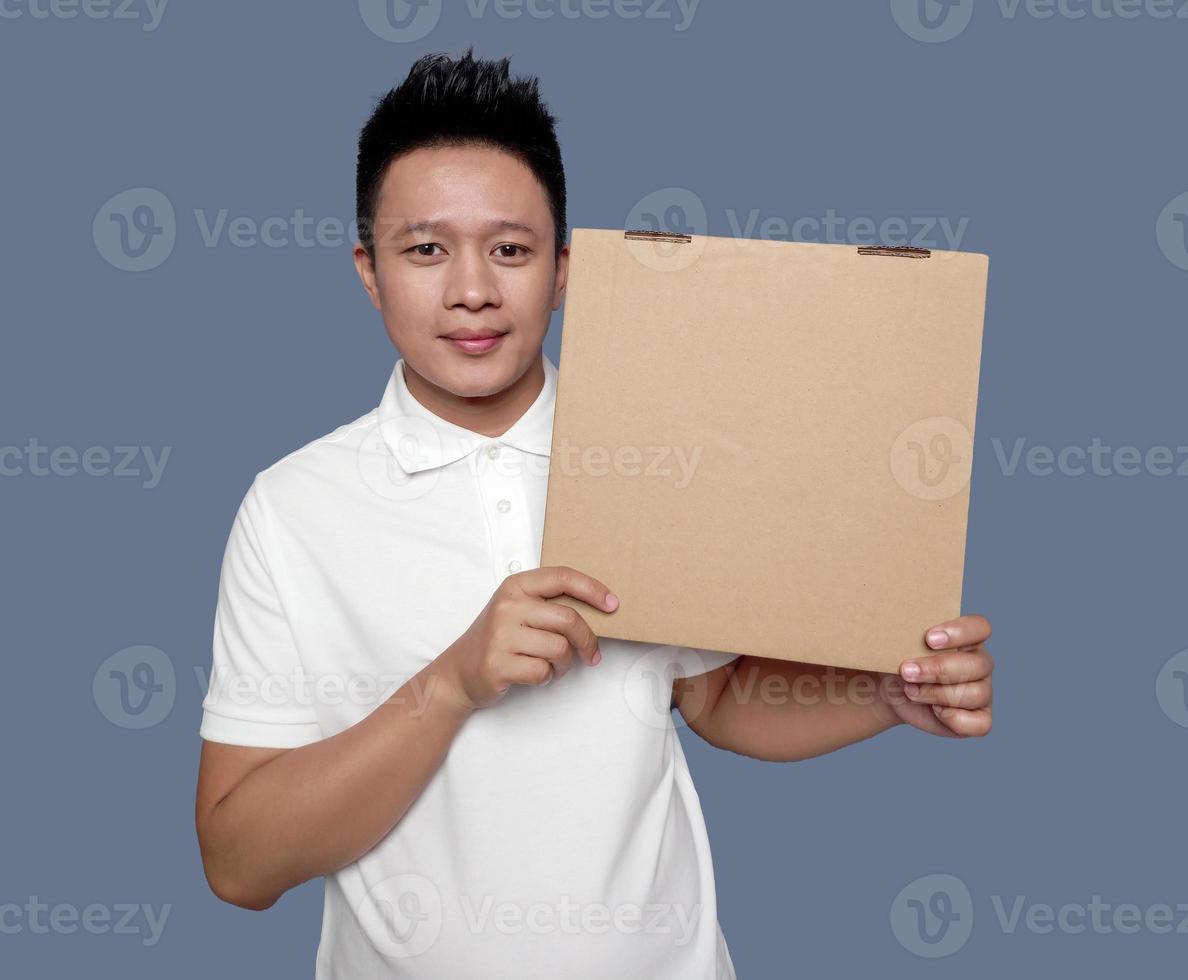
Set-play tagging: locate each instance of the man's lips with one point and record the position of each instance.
(476, 345)
(474, 334)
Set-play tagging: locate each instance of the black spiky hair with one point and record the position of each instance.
(462, 101)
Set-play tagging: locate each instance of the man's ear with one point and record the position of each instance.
(562, 277)
(366, 269)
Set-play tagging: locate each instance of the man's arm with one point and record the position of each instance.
(782, 711)
(270, 819)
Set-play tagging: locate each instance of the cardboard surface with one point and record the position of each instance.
(765, 447)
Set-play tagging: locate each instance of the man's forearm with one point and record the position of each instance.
(317, 808)
(782, 711)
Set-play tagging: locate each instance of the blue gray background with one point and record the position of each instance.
(1051, 141)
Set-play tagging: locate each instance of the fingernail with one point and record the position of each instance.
(612, 601)
(911, 690)
(938, 638)
(597, 657)
(937, 709)
(911, 670)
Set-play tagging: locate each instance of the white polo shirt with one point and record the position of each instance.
(562, 836)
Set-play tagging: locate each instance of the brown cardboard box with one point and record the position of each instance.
(765, 447)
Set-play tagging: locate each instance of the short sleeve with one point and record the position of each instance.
(255, 695)
(692, 661)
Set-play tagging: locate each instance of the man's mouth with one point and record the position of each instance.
(475, 341)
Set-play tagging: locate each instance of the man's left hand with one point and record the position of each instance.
(949, 692)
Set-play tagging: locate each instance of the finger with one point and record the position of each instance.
(964, 722)
(948, 668)
(555, 580)
(532, 671)
(965, 631)
(974, 694)
(566, 621)
(924, 718)
(552, 647)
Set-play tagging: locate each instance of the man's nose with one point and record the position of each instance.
(470, 281)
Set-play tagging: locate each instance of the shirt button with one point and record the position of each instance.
(513, 566)
(492, 451)
(504, 506)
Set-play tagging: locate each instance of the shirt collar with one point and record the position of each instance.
(421, 440)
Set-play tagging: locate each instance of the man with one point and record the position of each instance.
(488, 788)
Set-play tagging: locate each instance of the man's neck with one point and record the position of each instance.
(488, 415)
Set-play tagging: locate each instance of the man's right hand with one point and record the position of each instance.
(522, 638)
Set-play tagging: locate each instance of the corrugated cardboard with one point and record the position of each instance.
(822, 399)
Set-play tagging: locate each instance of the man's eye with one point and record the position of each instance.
(502, 249)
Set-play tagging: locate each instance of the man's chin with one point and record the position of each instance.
(474, 376)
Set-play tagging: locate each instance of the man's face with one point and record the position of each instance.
(467, 270)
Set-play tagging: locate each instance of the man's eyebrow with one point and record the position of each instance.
(504, 224)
